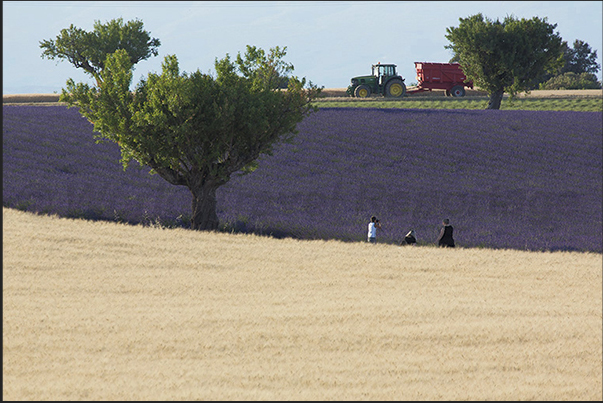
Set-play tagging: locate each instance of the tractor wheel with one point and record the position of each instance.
(362, 91)
(395, 89)
(457, 91)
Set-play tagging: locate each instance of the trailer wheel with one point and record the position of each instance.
(362, 91)
(447, 93)
(458, 91)
(395, 88)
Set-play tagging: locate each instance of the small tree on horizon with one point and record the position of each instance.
(578, 71)
(505, 56)
(580, 58)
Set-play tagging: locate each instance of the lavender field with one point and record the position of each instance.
(527, 180)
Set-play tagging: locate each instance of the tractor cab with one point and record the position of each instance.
(384, 70)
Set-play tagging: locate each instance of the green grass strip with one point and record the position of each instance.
(534, 104)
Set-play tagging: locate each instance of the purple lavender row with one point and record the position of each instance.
(507, 179)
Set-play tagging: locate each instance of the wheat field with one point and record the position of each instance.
(106, 311)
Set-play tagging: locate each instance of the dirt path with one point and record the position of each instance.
(563, 93)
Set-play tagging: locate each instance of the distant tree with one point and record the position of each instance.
(196, 130)
(572, 81)
(455, 59)
(88, 50)
(580, 59)
(505, 56)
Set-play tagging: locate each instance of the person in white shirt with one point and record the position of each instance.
(372, 229)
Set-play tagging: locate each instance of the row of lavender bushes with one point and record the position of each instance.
(527, 180)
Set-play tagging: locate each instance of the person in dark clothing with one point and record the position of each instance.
(410, 238)
(445, 238)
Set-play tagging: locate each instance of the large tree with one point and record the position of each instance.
(505, 56)
(88, 50)
(194, 130)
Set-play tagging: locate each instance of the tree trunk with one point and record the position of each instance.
(204, 208)
(495, 99)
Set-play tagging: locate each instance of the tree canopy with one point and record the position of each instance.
(194, 130)
(88, 50)
(578, 71)
(505, 56)
(571, 81)
(580, 58)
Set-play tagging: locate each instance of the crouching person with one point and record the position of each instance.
(410, 238)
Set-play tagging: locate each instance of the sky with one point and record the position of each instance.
(328, 42)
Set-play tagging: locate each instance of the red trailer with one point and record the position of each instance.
(441, 76)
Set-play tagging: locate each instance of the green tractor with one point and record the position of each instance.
(384, 81)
